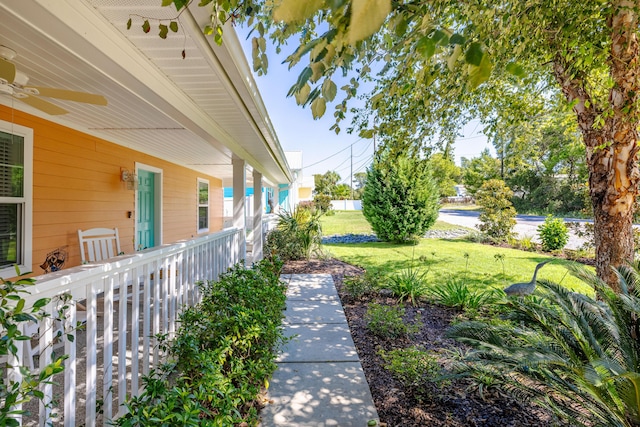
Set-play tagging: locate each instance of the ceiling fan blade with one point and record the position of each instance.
(7, 70)
(42, 105)
(70, 95)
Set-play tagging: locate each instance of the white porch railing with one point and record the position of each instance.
(119, 339)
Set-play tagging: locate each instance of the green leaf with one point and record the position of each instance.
(129, 24)
(367, 133)
(375, 99)
(312, 96)
(318, 69)
(329, 90)
(426, 47)
(19, 306)
(401, 26)
(166, 3)
(296, 11)
(318, 107)
(515, 69)
(474, 54)
(439, 37)
(179, 4)
(41, 303)
(451, 61)
(302, 94)
(480, 74)
(145, 26)
(173, 26)
(304, 76)
(164, 30)
(457, 39)
(367, 16)
(24, 317)
(217, 37)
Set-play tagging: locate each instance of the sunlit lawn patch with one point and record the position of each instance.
(483, 268)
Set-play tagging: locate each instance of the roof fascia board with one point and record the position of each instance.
(243, 74)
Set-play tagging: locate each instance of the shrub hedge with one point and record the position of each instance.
(222, 356)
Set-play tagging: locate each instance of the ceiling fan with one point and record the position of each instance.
(14, 82)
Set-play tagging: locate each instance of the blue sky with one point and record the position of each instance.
(298, 131)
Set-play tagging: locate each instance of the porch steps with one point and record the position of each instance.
(319, 381)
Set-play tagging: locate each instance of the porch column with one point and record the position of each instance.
(239, 196)
(276, 198)
(258, 209)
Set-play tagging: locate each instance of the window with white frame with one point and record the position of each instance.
(203, 205)
(16, 158)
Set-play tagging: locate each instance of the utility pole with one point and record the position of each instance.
(351, 179)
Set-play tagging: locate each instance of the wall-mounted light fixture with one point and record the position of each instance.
(129, 178)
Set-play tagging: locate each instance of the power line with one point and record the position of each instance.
(363, 163)
(346, 167)
(333, 155)
(364, 151)
(471, 137)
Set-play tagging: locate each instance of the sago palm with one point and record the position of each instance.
(574, 354)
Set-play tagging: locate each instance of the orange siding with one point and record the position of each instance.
(76, 185)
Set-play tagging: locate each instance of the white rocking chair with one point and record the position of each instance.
(100, 243)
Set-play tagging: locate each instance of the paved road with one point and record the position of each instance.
(527, 225)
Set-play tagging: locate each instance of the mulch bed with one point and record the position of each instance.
(458, 404)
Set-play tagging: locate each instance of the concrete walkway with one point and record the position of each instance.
(319, 381)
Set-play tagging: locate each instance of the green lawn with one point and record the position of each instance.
(445, 259)
(345, 222)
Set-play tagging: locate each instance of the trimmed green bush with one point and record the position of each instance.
(322, 202)
(497, 217)
(400, 199)
(553, 234)
(223, 354)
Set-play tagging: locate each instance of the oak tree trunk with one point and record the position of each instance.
(610, 134)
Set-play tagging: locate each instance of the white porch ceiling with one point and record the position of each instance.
(197, 112)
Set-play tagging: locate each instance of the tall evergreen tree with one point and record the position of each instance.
(400, 200)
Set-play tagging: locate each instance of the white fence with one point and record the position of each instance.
(346, 205)
(119, 339)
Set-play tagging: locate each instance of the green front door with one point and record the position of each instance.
(146, 203)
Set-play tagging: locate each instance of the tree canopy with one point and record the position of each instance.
(436, 63)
